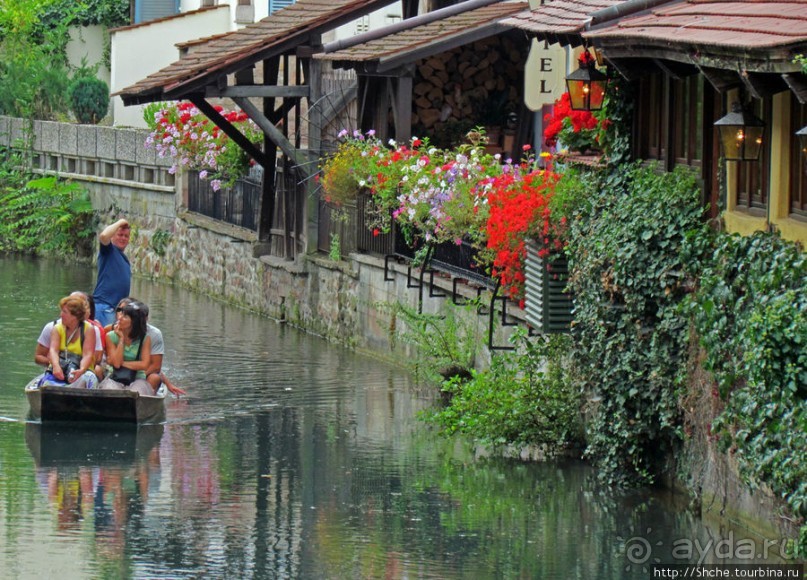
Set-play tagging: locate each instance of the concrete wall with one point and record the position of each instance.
(87, 42)
(142, 49)
(112, 164)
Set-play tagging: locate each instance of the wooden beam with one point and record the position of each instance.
(797, 84)
(228, 128)
(722, 80)
(299, 158)
(331, 108)
(676, 70)
(763, 85)
(403, 106)
(250, 91)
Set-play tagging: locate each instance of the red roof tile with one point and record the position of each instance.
(427, 39)
(288, 27)
(742, 24)
(560, 17)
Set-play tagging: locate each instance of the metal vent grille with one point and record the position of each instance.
(548, 307)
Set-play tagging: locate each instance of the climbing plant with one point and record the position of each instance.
(750, 312)
(630, 337)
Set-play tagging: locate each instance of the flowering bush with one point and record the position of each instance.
(519, 203)
(575, 129)
(182, 132)
(437, 196)
(349, 169)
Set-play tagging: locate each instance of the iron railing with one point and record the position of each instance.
(238, 205)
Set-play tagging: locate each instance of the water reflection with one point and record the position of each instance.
(292, 458)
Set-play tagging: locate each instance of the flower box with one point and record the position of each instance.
(548, 306)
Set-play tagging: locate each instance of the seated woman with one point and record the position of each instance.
(128, 351)
(72, 346)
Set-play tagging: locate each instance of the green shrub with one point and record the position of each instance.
(524, 397)
(46, 215)
(89, 99)
(446, 344)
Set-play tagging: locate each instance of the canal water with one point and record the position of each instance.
(292, 458)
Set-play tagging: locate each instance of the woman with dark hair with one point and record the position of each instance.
(128, 350)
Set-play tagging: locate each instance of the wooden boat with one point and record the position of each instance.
(60, 444)
(109, 405)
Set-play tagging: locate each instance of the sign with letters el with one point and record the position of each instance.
(544, 75)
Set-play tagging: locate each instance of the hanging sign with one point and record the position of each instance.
(544, 75)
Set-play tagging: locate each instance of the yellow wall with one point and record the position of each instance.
(781, 140)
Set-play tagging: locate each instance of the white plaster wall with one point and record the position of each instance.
(140, 50)
(87, 42)
(378, 19)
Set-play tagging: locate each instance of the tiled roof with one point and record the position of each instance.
(559, 17)
(749, 24)
(426, 39)
(285, 28)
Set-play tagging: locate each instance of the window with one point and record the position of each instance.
(687, 120)
(651, 133)
(275, 5)
(362, 25)
(798, 175)
(752, 176)
(670, 116)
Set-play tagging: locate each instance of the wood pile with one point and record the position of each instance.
(477, 84)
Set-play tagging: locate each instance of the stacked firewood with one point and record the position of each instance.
(477, 84)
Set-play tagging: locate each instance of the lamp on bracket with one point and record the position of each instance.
(741, 134)
(802, 135)
(586, 85)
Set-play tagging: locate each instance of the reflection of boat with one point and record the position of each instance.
(79, 444)
(108, 405)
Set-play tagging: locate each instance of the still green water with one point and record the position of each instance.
(292, 458)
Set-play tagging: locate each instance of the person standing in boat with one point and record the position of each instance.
(114, 271)
(72, 346)
(128, 351)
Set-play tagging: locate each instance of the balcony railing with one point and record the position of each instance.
(238, 205)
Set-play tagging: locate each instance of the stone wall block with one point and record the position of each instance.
(143, 155)
(5, 131)
(105, 142)
(87, 140)
(126, 145)
(68, 139)
(48, 141)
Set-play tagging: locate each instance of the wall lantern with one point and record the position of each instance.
(741, 134)
(802, 135)
(586, 85)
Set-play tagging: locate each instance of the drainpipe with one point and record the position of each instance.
(622, 9)
(406, 24)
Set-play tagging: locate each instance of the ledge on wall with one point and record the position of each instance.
(217, 226)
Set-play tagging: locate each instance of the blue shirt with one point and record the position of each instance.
(114, 276)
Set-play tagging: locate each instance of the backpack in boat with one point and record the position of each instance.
(126, 376)
(70, 361)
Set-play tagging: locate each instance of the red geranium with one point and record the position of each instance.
(519, 209)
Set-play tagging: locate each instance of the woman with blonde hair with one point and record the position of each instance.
(72, 346)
